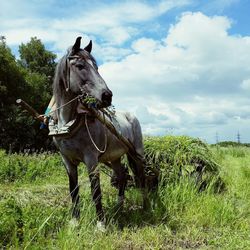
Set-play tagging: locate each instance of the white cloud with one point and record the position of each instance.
(194, 77)
(245, 84)
(113, 23)
(145, 45)
(196, 59)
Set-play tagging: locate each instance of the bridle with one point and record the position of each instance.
(67, 76)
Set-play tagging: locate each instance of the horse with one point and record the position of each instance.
(77, 75)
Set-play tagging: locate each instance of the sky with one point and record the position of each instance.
(181, 66)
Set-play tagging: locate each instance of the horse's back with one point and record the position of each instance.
(130, 129)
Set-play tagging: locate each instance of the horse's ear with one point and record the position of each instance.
(76, 46)
(89, 47)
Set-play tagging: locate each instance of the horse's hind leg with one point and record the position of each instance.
(73, 186)
(121, 176)
(138, 168)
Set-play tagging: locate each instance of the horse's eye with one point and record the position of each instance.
(80, 66)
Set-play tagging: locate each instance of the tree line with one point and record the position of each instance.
(30, 78)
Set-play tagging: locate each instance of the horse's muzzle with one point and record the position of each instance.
(107, 98)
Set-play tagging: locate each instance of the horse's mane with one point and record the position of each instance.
(59, 79)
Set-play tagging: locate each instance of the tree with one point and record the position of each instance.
(12, 86)
(30, 78)
(36, 58)
(40, 66)
(11, 77)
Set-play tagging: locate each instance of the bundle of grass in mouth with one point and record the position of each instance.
(178, 156)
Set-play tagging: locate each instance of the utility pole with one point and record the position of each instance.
(217, 137)
(238, 137)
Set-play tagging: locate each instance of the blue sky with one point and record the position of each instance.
(182, 66)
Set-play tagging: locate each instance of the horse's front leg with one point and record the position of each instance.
(94, 177)
(73, 186)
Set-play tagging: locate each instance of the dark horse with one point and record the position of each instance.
(77, 75)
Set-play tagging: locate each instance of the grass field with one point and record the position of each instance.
(35, 205)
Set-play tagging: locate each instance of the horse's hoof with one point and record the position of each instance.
(100, 226)
(76, 213)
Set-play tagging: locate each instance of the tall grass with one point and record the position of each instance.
(24, 167)
(35, 212)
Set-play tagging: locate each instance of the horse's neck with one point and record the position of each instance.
(66, 111)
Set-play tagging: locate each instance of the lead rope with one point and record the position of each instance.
(91, 138)
(63, 105)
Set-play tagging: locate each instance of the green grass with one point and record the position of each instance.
(35, 206)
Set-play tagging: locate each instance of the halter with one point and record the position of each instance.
(67, 76)
(67, 81)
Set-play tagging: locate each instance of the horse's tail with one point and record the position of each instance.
(136, 157)
(137, 167)
(144, 174)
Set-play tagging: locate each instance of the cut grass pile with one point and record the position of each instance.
(176, 156)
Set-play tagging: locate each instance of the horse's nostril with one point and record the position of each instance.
(107, 98)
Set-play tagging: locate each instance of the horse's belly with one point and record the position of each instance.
(113, 153)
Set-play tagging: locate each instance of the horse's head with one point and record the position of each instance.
(82, 75)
